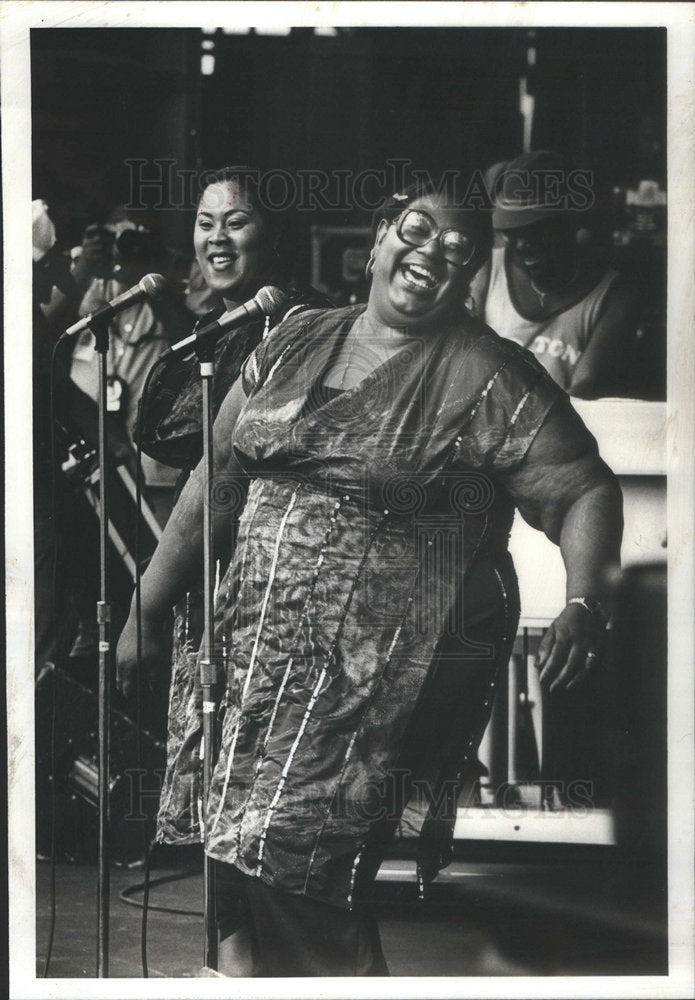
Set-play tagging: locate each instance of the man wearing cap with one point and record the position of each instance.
(542, 288)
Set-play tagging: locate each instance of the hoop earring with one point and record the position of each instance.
(369, 269)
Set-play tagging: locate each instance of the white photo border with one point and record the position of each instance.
(16, 19)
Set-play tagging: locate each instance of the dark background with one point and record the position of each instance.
(442, 98)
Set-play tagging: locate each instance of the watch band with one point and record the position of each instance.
(590, 604)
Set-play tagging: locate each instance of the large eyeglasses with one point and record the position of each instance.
(417, 229)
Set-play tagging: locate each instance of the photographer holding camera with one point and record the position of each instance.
(111, 259)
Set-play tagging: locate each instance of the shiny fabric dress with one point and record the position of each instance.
(170, 430)
(370, 600)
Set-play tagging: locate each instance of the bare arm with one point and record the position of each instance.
(94, 261)
(608, 351)
(177, 562)
(565, 490)
(61, 308)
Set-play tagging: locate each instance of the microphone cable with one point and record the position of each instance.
(150, 844)
(54, 587)
(126, 894)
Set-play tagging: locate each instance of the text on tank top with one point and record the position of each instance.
(558, 341)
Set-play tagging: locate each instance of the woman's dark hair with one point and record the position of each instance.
(478, 214)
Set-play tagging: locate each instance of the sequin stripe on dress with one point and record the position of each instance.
(514, 417)
(290, 663)
(314, 695)
(282, 354)
(433, 423)
(164, 807)
(249, 672)
(229, 626)
(353, 739)
(187, 618)
(480, 400)
(475, 738)
(277, 362)
(353, 876)
(195, 802)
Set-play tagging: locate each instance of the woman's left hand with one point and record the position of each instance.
(563, 488)
(573, 645)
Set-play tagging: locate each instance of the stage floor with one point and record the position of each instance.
(482, 919)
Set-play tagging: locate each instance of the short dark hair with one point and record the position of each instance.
(479, 215)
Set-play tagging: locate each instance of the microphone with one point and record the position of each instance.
(151, 286)
(267, 301)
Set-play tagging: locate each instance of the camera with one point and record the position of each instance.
(135, 244)
(126, 250)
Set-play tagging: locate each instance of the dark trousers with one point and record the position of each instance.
(282, 934)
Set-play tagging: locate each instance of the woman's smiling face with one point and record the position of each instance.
(414, 285)
(231, 241)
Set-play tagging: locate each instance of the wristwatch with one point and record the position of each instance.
(592, 605)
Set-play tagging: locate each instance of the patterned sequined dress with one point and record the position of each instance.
(352, 639)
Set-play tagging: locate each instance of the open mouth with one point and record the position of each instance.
(529, 255)
(220, 261)
(418, 277)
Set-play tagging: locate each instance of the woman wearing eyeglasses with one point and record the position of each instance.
(544, 289)
(371, 599)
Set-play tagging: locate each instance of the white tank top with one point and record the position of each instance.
(559, 341)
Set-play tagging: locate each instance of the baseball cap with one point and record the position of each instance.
(529, 188)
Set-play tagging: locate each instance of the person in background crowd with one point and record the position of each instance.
(360, 648)
(112, 258)
(61, 517)
(55, 296)
(544, 289)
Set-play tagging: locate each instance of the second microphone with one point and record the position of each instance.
(267, 301)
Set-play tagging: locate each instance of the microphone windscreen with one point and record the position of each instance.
(270, 299)
(153, 284)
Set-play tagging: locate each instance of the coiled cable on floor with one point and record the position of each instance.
(126, 894)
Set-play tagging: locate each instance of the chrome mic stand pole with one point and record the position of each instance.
(208, 664)
(100, 329)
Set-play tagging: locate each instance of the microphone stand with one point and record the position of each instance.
(100, 329)
(208, 665)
